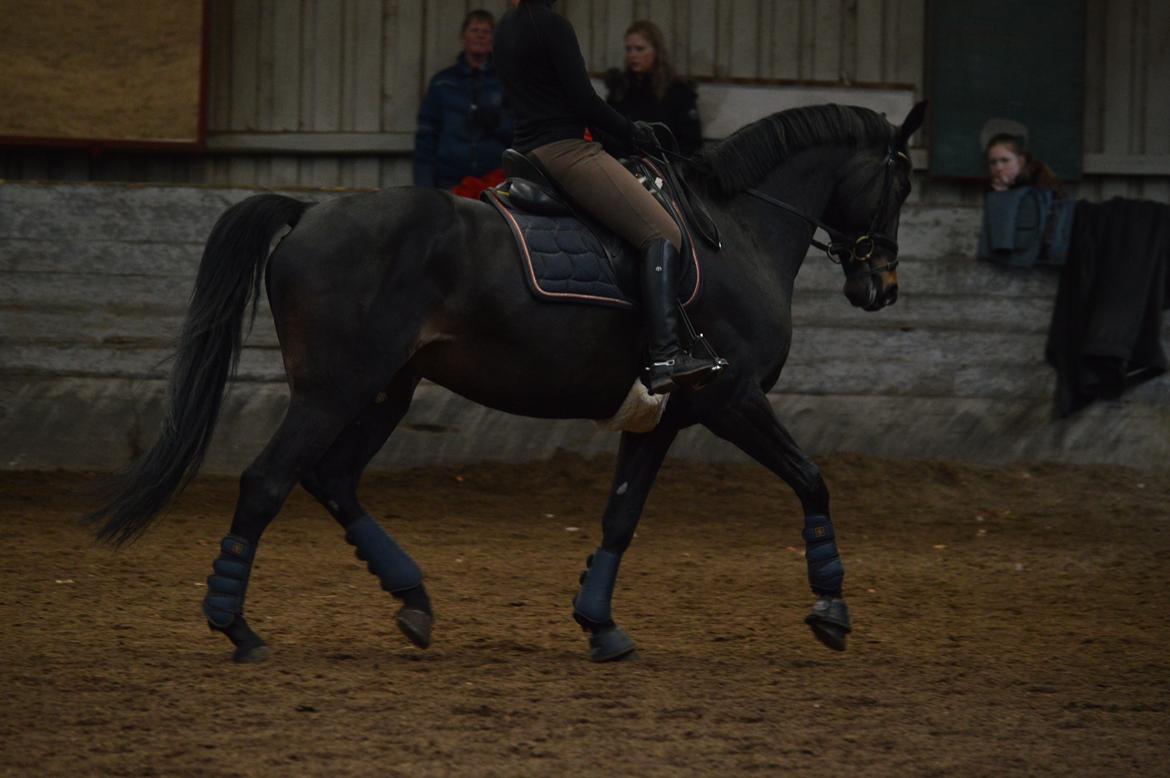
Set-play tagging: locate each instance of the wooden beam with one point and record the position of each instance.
(1127, 164)
(312, 142)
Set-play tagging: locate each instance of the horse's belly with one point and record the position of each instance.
(574, 386)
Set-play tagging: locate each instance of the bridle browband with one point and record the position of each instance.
(842, 249)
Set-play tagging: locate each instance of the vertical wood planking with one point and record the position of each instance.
(286, 67)
(617, 19)
(870, 40)
(1137, 81)
(849, 41)
(1118, 78)
(308, 63)
(396, 171)
(323, 34)
(1157, 87)
(746, 39)
(443, 20)
(328, 43)
(909, 43)
(402, 76)
(783, 48)
(219, 88)
(266, 66)
(827, 33)
(680, 37)
(662, 13)
(806, 46)
(1095, 33)
(245, 16)
(283, 170)
(702, 41)
(362, 87)
(579, 13)
(594, 49)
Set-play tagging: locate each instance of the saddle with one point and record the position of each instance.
(569, 257)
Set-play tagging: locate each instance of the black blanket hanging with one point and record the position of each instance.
(1105, 334)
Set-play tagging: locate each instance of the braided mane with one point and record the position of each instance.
(743, 158)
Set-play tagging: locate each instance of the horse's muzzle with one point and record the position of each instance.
(872, 291)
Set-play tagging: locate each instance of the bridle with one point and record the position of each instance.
(851, 252)
(842, 249)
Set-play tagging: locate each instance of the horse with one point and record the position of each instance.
(373, 292)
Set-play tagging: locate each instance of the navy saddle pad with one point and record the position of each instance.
(566, 260)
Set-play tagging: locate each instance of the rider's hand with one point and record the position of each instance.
(644, 137)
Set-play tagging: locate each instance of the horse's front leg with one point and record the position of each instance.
(639, 458)
(751, 425)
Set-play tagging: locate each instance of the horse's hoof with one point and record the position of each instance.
(829, 634)
(416, 625)
(829, 622)
(611, 645)
(250, 654)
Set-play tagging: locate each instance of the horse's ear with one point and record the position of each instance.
(911, 124)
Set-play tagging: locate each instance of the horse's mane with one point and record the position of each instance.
(749, 154)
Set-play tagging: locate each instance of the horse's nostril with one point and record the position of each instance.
(892, 295)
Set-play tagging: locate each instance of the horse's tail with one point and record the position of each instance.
(229, 276)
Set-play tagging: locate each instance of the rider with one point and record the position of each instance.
(539, 62)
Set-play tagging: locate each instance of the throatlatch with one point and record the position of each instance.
(825, 571)
(383, 557)
(227, 586)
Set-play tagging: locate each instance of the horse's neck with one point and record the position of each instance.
(805, 181)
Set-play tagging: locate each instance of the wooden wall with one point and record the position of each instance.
(319, 93)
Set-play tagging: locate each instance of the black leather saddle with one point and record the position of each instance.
(567, 256)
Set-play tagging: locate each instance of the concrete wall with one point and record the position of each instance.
(94, 281)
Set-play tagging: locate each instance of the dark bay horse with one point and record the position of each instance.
(373, 292)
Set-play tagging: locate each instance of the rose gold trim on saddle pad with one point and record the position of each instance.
(518, 234)
(526, 258)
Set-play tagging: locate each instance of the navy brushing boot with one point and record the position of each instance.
(592, 608)
(224, 603)
(398, 574)
(829, 619)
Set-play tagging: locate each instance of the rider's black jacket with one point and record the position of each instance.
(539, 62)
(634, 97)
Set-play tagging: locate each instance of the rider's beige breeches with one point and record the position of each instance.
(598, 183)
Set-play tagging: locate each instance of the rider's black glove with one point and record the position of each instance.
(644, 137)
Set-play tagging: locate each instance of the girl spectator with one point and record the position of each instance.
(1010, 165)
(648, 90)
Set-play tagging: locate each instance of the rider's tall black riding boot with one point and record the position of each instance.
(670, 366)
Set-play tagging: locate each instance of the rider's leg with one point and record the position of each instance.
(599, 184)
(669, 364)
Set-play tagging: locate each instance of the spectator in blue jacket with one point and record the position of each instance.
(463, 128)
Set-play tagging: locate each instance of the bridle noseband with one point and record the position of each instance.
(850, 252)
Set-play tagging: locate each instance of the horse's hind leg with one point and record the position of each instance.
(334, 482)
(752, 426)
(308, 428)
(639, 458)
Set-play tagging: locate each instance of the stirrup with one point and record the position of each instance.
(661, 377)
(698, 340)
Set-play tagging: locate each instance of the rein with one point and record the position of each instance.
(841, 248)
